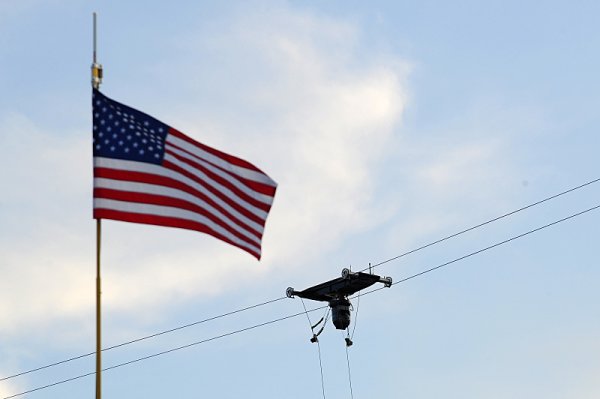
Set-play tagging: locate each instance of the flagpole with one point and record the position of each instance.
(98, 313)
(96, 81)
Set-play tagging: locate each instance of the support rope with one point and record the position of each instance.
(321, 367)
(349, 374)
(356, 315)
(318, 344)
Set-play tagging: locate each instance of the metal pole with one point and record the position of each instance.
(98, 313)
(96, 81)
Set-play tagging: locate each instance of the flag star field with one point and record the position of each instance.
(125, 133)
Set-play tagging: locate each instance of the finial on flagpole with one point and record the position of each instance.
(96, 67)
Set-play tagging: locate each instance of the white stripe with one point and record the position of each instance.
(220, 162)
(267, 199)
(143, 167)
(147, 209)
(146, 188)
(219, 187)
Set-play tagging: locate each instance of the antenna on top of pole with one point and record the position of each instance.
(96, 67)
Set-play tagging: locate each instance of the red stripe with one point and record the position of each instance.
(154, 199)
(166, 221)
(141, 177)
(253, 185)
(226, 157)
(213, 190)
(223, 182)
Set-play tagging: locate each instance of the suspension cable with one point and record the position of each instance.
(483, 224)
(315, 309)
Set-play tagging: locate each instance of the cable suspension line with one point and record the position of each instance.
(142, 338)
(314, 309)
(484, 223)
(487, 248)
(278, 299)
(165, 352)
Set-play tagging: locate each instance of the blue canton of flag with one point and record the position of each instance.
(122, 132)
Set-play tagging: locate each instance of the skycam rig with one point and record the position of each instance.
(336, 293)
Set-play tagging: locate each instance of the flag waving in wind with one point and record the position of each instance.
(148, 172)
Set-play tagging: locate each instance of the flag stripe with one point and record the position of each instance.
(217, 191)
(243, 219)
(128, 190)
(159, 220)
(220, 179)
(151, 199)
(227, 162)
(180, 174)
(250, 187)
(174, 215)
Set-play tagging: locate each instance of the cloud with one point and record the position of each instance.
(8, 389)
(42, 249)
(320, 122)
(8, 364)
(333, 108)
(461, 173)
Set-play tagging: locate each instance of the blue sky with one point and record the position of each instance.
(387, 125)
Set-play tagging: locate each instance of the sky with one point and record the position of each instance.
(387, 125)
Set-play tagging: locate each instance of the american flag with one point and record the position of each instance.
(148, 172)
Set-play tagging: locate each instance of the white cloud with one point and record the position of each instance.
(42, 249)
(446, 185)
(462, 173)
(7, 367)
(334, 107)
(328, 117)
(8, 389)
